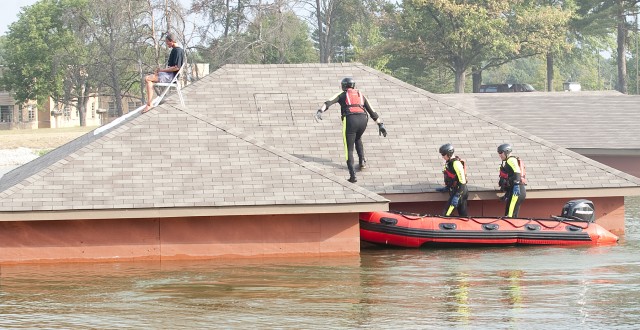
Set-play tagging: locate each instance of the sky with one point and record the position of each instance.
(11, 8)
(9, 12)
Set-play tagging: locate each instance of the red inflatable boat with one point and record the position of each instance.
(576, 226)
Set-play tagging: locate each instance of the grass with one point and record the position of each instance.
(43, 139)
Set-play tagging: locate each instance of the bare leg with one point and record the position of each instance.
(149, 80)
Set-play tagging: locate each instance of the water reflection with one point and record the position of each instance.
(457, 305)
(506, 287)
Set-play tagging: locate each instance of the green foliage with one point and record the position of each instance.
(35, 44)
(65, 48)
(277, 37)
(460, 35)
(284, 39)
(366, 36)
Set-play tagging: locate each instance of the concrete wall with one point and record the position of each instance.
(609, 210)
(179, 238)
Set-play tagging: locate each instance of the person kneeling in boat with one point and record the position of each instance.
(455, 180)
(512, 180)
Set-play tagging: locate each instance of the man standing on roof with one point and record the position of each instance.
(176, 58)
(354, 108)
(512, 180)
(455, 180)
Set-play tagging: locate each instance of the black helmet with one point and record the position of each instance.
(446, 149)
(348, 83)
(506, 148)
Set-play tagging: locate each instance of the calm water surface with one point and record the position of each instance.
(479, 288)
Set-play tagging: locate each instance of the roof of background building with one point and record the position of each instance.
(575, 120)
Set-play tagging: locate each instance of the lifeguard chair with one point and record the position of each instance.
(175, 83)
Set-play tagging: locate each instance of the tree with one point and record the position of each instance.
(325, 12)
(336, 24)
(284, 39)
(110, 32)
(602, 17)
(252, 32)
(482, 34)
(35, 44)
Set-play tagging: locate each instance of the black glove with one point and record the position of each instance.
(318, 115)
(516, 190)
(442, 189)
(455, 200)
(381, 130)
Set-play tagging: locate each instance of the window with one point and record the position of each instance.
(112, 109)
(6, 112)
(93, 110)
(32, 113)
(20, 114)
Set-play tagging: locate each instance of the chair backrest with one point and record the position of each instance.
(179, 73)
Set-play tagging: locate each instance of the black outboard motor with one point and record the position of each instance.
(580, 210)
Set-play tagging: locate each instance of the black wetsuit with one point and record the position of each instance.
(455, 179)
(354, 112)
(509, 177)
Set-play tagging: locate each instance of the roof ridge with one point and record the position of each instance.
(239, 133)
(289, 65)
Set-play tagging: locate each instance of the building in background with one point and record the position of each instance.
(17, 116)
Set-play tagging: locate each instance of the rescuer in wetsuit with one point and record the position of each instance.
(354, 109)
(511, 181)
(455, 180)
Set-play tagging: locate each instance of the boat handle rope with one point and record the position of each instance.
(415, 216)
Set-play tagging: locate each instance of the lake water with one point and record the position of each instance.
(470, 288)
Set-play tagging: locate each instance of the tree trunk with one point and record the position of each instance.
(477, 80)
(321, 41)
(115, 81)
(167, 15)
(82, 104)
(622, 59)
(459, 82)
(549, 72)
(227, 18)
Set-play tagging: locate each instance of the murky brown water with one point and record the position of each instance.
(486, 288)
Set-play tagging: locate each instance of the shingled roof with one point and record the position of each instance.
(574, 120)
(173, 159)
(246, 143)
(276, 103)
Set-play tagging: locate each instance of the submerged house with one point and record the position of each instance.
(244, 170)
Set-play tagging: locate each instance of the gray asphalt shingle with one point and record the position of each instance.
(418, 122)
(170, 158)
(573, 120)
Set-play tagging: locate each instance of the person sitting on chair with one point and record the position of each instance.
(176, 58)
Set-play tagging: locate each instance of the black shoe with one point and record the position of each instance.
(352, 179)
